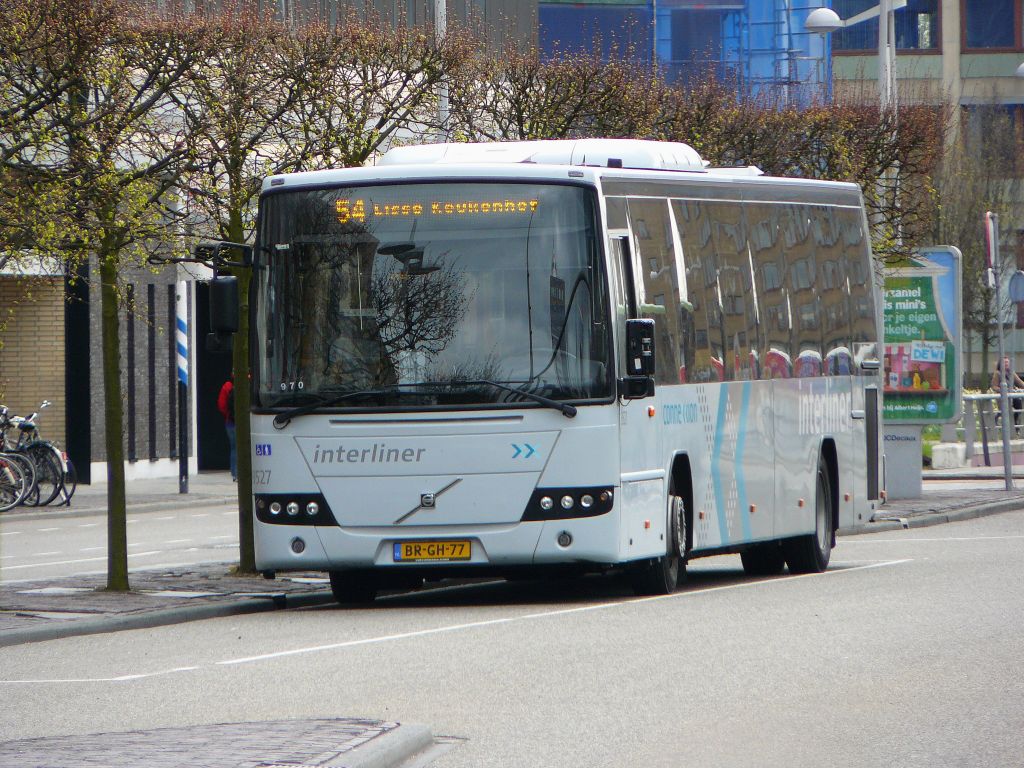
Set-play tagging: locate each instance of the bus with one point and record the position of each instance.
(591, 355)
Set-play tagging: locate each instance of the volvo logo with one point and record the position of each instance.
(427, 501)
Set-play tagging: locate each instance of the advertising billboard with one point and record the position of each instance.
(923, 322)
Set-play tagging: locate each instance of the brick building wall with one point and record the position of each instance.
(32, 350)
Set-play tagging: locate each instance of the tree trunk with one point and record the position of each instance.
(243, 435)
(117, 517)
(243, 381)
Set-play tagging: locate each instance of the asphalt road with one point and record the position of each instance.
(907, 652)
(44, 547)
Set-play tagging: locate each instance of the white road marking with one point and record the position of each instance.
(46, 530)
(87, 525)
(454, 627)
(178, 541)
(951, 538)
(10, 533)
(120, 679)
(92, 549)
(166, 517)
(546, 614)
(201, 514)
(73, 562)
(46, 554)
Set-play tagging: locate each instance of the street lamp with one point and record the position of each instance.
(825, 21)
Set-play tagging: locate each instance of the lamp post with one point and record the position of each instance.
(825, 21)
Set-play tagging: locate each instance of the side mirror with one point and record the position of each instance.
(216, 253)
(224, 304)
(639, 379)
(639, 347)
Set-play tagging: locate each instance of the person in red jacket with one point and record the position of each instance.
(226, 406)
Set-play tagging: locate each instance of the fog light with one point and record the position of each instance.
(298, 546)
(293, 508)
(568, 502)
(312, 508)
(605, 495)
(546, 503)
(275, 508)
(564, 539)
(587, 501)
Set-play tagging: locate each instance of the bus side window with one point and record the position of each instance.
(657, 280)
(769, 267)
(801, 283)
(832, 293)
(620, 260)
(701, 270)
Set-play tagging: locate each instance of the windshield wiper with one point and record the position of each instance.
(565, 408)
(282, 420)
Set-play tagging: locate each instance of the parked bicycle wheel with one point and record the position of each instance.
(48, 474)
(12, 483)
(70, 482)
(28, 468)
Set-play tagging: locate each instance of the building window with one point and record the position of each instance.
(917, 26)
(992, 24)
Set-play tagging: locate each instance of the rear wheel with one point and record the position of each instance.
(763, 559)
(353, 587)
(661, 575)
(811, 553)
(48, 474)
(70, 482)
(12, 483)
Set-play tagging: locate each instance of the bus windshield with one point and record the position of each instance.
(416, 295)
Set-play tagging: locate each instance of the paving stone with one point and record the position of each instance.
(293, 743)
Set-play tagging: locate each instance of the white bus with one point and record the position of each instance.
(591, 355)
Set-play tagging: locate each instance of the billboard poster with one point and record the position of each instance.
(922, 317)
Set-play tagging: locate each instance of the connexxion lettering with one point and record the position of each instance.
(378, 453)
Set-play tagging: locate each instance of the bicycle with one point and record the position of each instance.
(50, 463)
(14, 485)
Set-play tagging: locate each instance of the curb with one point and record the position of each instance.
(896, 522)
(162, 617)
(391, 748)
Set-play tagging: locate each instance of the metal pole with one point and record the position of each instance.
(992, 230)
(181, 344)
(440, 30)
(885, 62)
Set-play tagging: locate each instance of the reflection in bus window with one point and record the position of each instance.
(695, 224)
(801, 284)
(652, 227)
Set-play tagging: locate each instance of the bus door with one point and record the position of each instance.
(641, 500)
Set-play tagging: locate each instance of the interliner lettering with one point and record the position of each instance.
(378, 453)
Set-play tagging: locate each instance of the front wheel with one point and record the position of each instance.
(811, 553)
(661, 575)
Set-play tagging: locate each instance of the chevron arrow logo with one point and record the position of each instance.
(527, 453)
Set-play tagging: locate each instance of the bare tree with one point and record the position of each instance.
(105, 152)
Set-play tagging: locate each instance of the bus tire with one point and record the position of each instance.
(765, 559)
(811, 553)
(353, 587)
(661, 575)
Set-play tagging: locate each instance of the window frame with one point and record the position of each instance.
(1018, 31)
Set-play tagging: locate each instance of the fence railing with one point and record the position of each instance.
(982, 422)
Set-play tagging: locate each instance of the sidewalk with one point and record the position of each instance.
(55, 608)
(342, 742)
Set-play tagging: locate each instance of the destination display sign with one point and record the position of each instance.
(361, 210)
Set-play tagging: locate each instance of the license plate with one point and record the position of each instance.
(427, 551)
